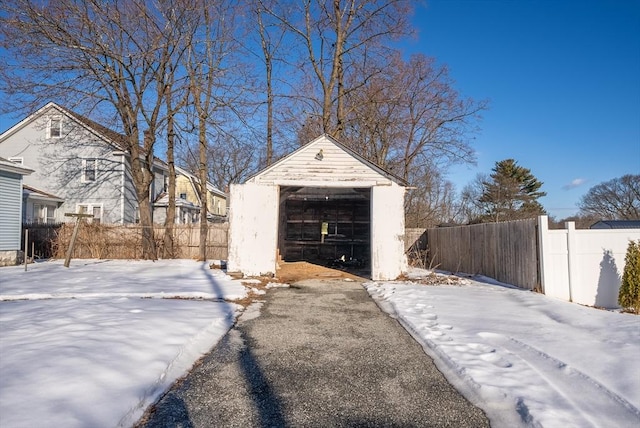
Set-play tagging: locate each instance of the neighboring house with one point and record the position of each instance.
(11, 176)
(186, 211)
(616, 224)
(187, 188)
(38, 206)
(80, 167)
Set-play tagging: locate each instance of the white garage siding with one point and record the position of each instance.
(324, 163)
(388, 259)
(253, 229)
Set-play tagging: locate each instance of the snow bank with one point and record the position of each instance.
(95, 344)
(524, 358)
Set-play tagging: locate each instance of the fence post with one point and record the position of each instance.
(571, 255)
(26, 248)
(543, 231)
(78, 217)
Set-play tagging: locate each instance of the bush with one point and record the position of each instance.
(629, 296)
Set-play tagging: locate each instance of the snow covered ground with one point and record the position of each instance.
(524, 358)
(95, 344)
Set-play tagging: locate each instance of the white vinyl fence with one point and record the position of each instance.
(585, 265)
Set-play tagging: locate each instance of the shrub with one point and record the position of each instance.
(629, 296)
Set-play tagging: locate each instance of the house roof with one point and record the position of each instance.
(368, 163)
(33, 193)
(163, 200)
(116, 139)
(616, 224)
(119, 140)
(8, 166)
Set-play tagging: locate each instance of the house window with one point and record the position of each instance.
(43, 213)
(54, 127)
(18, 161)
(97, 214)
(89, 170)
(95, 209)
(183, 196)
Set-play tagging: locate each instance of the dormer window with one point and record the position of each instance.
(54, 127)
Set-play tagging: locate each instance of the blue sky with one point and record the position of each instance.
(563, 81)
(562, 78)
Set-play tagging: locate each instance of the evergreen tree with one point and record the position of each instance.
(629, 295)
(511, 193)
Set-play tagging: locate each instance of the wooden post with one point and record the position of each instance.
(26, 247)
(78, 217)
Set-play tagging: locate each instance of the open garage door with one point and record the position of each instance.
(326, 226)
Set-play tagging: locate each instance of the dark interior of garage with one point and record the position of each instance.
(326, 226)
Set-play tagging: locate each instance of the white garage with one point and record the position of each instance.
(319, 204)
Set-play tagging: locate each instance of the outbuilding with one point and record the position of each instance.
(321, 203)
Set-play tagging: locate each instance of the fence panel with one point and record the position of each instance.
(42, 239)
(504, 251)
(106, 241)
(584, 266)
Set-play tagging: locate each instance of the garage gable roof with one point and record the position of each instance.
(325, 161)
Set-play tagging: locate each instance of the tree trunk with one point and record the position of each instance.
(146, 222)
(204, 209)
(142, 175)
(168, 250)
(269, 112)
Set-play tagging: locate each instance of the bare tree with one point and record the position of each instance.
(335, 35)
(410, 116)
(230, 160)
(469, 207)
(172, 111)
(271, 38)
(96, 53)
(431, 203)
(216, 83)
(616, 199)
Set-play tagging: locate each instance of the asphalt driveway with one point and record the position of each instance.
(320, 354)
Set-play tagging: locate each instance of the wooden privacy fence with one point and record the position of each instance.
(505, 251)
(106, 241)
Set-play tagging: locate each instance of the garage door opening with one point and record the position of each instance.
(326, 226)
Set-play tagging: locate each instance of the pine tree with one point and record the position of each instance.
(629, 295)
(511, 193)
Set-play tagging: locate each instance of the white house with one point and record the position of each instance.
(11, 176)
(321, 202)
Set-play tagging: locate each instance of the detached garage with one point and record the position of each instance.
(322, 202)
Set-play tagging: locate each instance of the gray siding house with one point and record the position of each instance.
(79, 166)
(10, 210)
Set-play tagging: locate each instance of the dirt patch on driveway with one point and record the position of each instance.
(291, 272)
